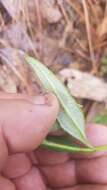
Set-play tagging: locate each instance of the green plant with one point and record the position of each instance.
(70, 118)
(101, 118)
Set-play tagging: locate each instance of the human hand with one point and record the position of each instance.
(65, 171)
(24, 124)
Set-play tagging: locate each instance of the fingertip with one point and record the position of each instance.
(27, 124)
(97, 134)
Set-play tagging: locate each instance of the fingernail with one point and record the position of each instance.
(49, 97)
(44, 99)
(39, 100)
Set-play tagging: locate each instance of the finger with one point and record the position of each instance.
(86, 171)
(46, 157)
(31, 181)
(16, 165)
(61, 175)
(97, 135)
(73, 172)
(26, 123)
(6, 184)
(92, 170)
(3, 151)
(86, 187)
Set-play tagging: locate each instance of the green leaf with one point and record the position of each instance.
(63, 144)
(56, 127)
(71, 118)
(67, 124)
(101, 118)
(104, 61)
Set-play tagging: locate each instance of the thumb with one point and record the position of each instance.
(26, 121)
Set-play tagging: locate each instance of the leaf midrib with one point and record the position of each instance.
(58, 96)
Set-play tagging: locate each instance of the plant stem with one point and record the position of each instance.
(71, 149)
(101, 148)
(61, 148)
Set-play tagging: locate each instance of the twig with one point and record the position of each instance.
(93, 10)
(39, 19)
(25, 16)
(63, 11)
(77, 10)
(89, 37)
(77, 52)
(15, 71)
(100, 45)
(105, 9)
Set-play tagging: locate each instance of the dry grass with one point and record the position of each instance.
(62, 34)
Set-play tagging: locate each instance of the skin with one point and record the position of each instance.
(24, 123)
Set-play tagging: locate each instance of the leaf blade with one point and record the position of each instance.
(67, 124)
(71, 109)
(56, 144)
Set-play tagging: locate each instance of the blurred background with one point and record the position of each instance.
(68, 36)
